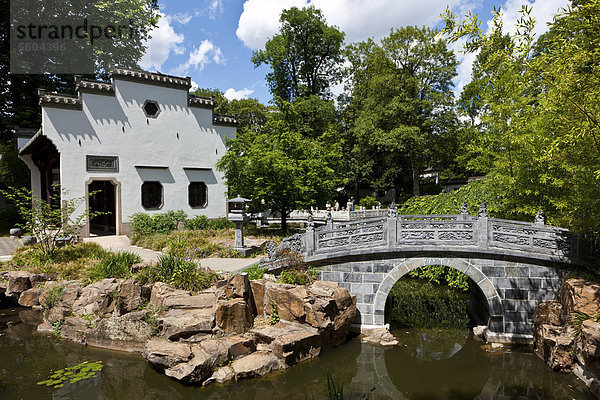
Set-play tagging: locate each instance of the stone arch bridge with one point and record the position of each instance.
(515, 264)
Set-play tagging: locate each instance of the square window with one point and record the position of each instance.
(197, 194)
(152, 195)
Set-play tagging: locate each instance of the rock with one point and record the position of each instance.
(15, 233)
(18, 282)
(217, 348)
(38, 279)
(548, 313)
(380, 336)
(130, 296)
(221, 375)
(239, 345)
(178, 323)
(161, 293)
(163, 353)
(196, 370)
(258, 294)
(255, 364)
(126, 333)
(233, 316)
(56, 314)
(267, 334)
(288, 300)
(30, 297)
(237, 286)
(201, 300)
(297, 346)
(45, 328)
(142, 265)
(590, 334)
(28, 240)
(75, 329)
(31, 317)
(578, 295)
(555, 345)
(98, 298)
(479, 332)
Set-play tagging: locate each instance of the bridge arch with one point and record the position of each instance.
(494, 303)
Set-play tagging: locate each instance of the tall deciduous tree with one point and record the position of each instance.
(304, 56)
(400, 111)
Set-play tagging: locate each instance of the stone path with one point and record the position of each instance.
(122, 243)
(8, 247)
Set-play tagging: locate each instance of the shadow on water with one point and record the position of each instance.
(402, 372)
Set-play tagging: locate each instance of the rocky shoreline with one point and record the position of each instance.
(567, 332)
(236, 329)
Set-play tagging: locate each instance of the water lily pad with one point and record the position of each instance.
(76, 373)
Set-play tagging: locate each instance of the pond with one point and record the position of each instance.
(428, 364)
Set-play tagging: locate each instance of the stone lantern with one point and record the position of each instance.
(237, 215)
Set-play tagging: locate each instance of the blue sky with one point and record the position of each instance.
(212, 40)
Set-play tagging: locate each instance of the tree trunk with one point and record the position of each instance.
(415, 178)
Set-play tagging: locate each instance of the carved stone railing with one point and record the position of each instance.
(447, 232)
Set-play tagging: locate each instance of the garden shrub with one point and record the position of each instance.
(53, 296)
(114, 265)
(369, 202)
(255, 271)
(202, 222)
(298, 276)
(144, 224)
(180, 272)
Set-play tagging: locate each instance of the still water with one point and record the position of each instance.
(429, 364)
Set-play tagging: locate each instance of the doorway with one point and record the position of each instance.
(103, 200)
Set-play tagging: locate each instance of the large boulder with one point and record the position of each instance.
(239, 345)
(75, 329)
(297, 345)
(235, 287)
(590, 334)
(166, 296)
(258, 295)
(555, 345)
(206, 299)
(221, 375)
(30, 297)
(255, 364)
(286, 300)
(548, 313)
(233, 316)
(98, 298)
(164, 354)
(128, 332)
(196, 370)
(18, 282)
(579, 295)
(130, 296)
(182, 323)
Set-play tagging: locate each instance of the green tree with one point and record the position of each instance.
(540, 110)
(304, 56)
(400, 110)
(281, 169)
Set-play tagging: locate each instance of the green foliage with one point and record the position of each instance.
(442, 275)
(304, 56)
(85, 370)
(255, 272)
(47, 222)
(399, 111)
(419, 304)
(538, 105)
(144, 224)
(298, 276)
(474, 193)
(179, 272)
(53, 296)
(203, 222)
(114, 265)
(577, 318)
(369, 202)
(274, 316)
(90, 318)
(57, 327)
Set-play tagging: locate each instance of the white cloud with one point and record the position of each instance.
(232, 94)
(204, 54)
(542, 11)
(194, 86)
(180, 18)
(215, 7)
(164, 41)
(359, 19)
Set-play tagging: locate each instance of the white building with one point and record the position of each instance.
(141, 140)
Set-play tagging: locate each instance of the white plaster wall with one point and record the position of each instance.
(116, 126)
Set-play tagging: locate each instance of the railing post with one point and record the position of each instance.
(480, 227)
(310, 236)
(392, 227)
